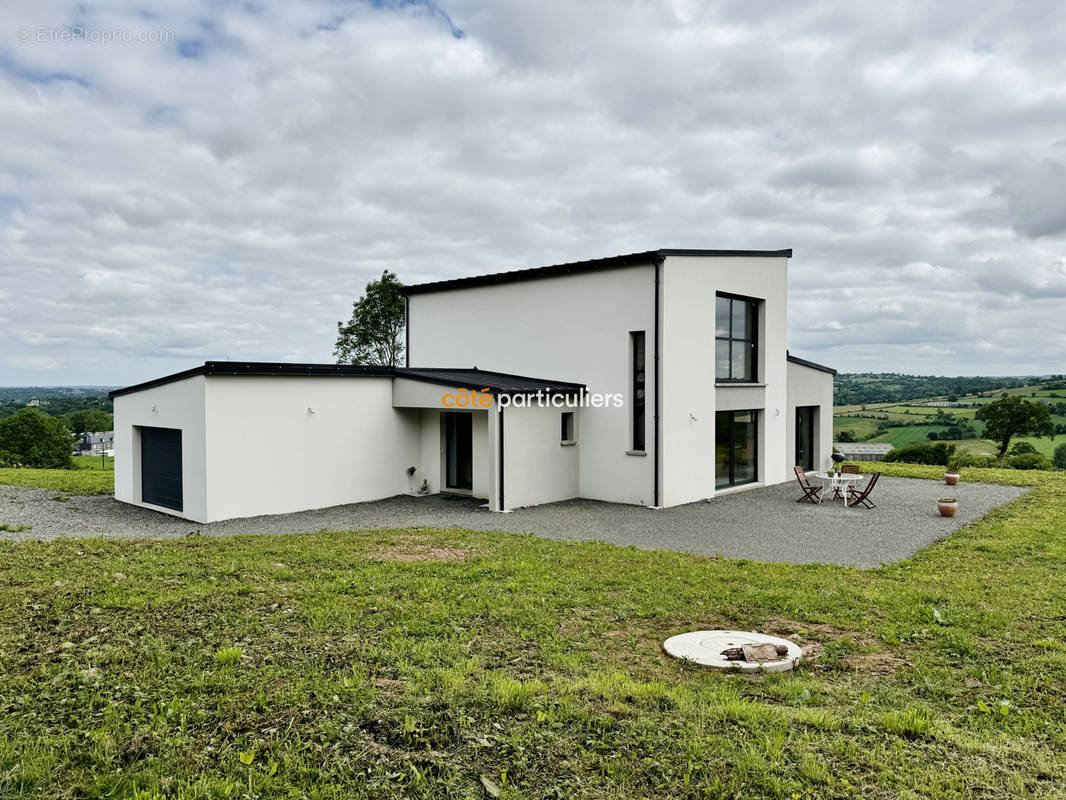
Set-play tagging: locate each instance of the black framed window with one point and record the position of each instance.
(566, 425)
(736, 452)
(736, 355)
(637, 375)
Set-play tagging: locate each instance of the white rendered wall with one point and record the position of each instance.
(266, 454)
(811, 387)
(173, 405)
(570, 328)
(690, 397)
(537, 468)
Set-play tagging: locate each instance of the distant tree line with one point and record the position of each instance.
(856, 388)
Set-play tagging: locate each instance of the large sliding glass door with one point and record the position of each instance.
(736, 448)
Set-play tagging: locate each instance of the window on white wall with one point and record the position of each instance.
(566, 424)
(736, 356)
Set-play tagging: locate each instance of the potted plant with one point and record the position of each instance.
(951, 477)
(947, 506)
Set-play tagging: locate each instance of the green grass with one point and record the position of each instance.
(898, 437)
(73, 481)
(323, 666)
(105, 463)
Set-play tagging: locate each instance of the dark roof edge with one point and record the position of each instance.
(805, 363)
(261, 368)
(574, 267)
(428, 375)
(275, 369)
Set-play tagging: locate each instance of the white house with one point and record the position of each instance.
(655, 378)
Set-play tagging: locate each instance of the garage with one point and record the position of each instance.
(161, 467)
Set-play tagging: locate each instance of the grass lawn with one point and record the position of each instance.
(898, 437)
(72, 481)
(105, 463)
(431, 663)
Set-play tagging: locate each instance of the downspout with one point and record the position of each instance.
(655, 359)
(407, 330)
(502, 507)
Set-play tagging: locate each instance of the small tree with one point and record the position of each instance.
(1012, 416)
(373, 336)
(89, 421)
(1059, 459)
(33, 439)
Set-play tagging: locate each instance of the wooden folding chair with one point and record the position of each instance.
(811, 492)
(862, 496)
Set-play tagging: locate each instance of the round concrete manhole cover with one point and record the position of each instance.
(706, 649)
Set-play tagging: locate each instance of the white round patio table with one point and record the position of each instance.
(842, 481)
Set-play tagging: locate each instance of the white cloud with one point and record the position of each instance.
(158, 209)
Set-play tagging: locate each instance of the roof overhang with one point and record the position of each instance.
(805, 363)
(574, 267)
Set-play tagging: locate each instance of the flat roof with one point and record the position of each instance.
(805, 363)
(469, 378)
(629, 259)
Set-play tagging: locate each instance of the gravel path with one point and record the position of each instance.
(760, 524)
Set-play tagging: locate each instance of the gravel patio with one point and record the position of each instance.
(764, 523)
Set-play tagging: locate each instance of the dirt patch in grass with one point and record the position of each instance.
(411, 552)
(873, 663)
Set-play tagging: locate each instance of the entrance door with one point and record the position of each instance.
(458, 451)
(805, 437)
(736, 448)
(161, 467)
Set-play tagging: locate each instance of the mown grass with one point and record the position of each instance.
(324, 666)
(72, 481)
(105, 463)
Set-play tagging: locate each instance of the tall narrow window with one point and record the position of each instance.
(636, 348)
(735, 355)
(566, 424)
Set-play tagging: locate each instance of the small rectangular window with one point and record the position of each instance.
(566, 435)
(636, 347)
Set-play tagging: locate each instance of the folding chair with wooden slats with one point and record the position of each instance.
(811, 492)
(862, 496)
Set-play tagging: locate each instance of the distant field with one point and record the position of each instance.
(862, 428)
(898, 437)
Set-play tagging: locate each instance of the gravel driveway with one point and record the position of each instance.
(760, 524)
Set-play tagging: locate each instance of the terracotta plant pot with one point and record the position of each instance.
(951, 478)
(947, 506)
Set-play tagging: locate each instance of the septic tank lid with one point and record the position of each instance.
(705, 648)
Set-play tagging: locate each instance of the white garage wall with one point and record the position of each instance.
(173, 405)
(811, 387)
(267, 454)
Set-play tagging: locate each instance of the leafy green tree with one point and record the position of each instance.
(1012, 416)
(89, 421)
(33, 439)
(373, 336)
(1059, 459)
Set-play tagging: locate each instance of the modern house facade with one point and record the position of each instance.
(655, 378)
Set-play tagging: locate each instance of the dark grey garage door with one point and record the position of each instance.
(161, 467)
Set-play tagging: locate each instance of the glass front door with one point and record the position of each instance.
(736, 448)
(458, 451)
(805, 437)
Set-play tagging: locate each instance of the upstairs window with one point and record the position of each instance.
(736, 357)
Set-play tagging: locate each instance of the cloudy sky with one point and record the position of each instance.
(221, 179)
